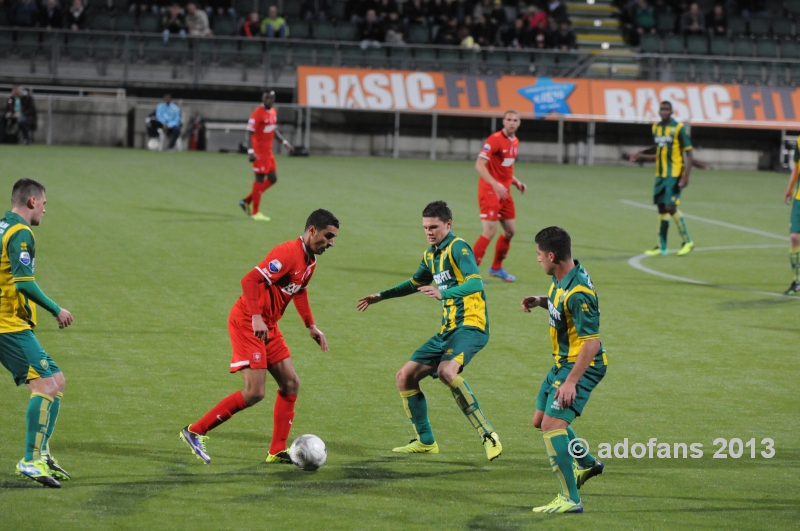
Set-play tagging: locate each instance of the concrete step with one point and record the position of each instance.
(595, 25)
(596, 9)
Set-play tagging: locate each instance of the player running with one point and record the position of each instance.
(495, 166)
(258, 345)
(580, 364)
(465, 330)
(792, 196)
(672, 142)
(262, 127)
(20, 351)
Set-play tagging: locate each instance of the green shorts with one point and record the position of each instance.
(460, 344)
(24, 357)
(666, 191)
(547, 402)
(795, 227)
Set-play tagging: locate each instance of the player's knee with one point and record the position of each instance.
(401, 378)
(537, 423)
(272, 177)
(253, 396)
(448, 375)
(508, 233)
(794, 239)
(259, 177)
(291, 386)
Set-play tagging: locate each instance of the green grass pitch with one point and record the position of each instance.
(147, 250)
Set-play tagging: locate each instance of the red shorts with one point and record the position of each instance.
(265, 163)
(493, 208)
(251, 352)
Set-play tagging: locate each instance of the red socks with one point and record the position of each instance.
(228, 406)
(500, 251)
(282, 421)
(480, 248)
(258, 189)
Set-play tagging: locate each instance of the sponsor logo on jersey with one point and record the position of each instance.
(441, 278)
(508, 161)
(275, 266)
(664, 140)
(25, 258)
(44, 364)
(555, 405)
(555, 314)
(487, 148)
(292, 288)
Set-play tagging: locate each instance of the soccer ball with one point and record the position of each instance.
(153, 144)
(308, 452)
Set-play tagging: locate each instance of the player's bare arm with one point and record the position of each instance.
(521, 186)
(534, 301)
(684, 181)
(787, 196)
(285, 142)
(566, 392)
(317, 335)
(251, 153)
(431, 291)
(481, 165)
(364, 302)
(645, 155)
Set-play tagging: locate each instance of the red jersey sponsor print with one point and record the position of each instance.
(501, 152)
(262, 124)
(284, 273)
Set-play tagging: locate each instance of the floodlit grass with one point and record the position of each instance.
(147, 250)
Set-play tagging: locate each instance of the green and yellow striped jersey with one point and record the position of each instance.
(16, 265)
(671, 141)
(450, 264)
(796, 160)
(574, 316)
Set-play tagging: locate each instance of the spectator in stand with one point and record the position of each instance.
(459, 9)
(51, 16)
(356, 10)
(385, 8)
(481, 7)
(168, 119)
(371, 31)
(315, 10)
(541, 37)
(755, 8)
(393, 27)
(24, 13)
(197, 21)
(693, 21)
(557, 12)
(274, 25)
(448, 34)
(533, 16)
(415, 12)
(20, 113)
(173, 22)
(717, 21)
(465, 40)
(437, 13)
(482, 32)
(516, 36)
(644, 18)
(76, 16)
(564, 38)
(251, 27)
(220, 8)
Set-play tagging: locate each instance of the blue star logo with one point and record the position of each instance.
(548, 97)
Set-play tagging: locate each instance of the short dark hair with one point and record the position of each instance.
(510, 111)
(24, 189)
(555, 240)
(667, 103)
(438, 209)
(321, 219)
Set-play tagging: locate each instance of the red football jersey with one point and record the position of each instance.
(501, 152)
(262, 124)
(287, 270)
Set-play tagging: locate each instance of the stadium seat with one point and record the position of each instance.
(346, 31)
(148, 23)
(351, 55)
(697, 44)
(223, 25)
(28, 43)
(299, 29)
(743, 47)
(775, 8)
(793, 7)
(244, 7)
(728, 72)
(519, 63)
(125, 22)
(720, 46)
(325, 55)
(703, 70)
(252, 53)
(495, 62)
(418, 34)
(118, 6)
(291, 9)
(544, 64)
(277, 53)
(105, 47)
(737, 26)
(153, 49)
(790, 50)
(783, 28)
(101, 22)
(4, 18)
(6, 41)
(399, 57)
(760, 26)
(264, 5)
(752, 73)
(323, 30)
(50, 41)
(682, 69)
(375, 57)
(425, 58)
(650, 43)
(227, 50)
(449, 59)
(673, 44)
(666, 22)
(78, 46)
(338, 9)
(767, 48)
(567, 60)
(302, 53)
(203, 49)
(794, 74)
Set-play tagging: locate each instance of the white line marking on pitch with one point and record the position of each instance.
(713, 222)
(636, 263)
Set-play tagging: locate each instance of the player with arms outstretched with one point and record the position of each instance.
(465, 330)
(495, 166)
(580, 364)
(672, 143)
(792, 197)
(20, 351)
(262, 128)
(258, 345)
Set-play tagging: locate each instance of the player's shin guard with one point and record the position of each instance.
(663, 229)
(556, 442)
(466, 400)
(480, 248)
(677, 217)
(500, 251)
(794, 259)
(587, 460)
(282, 417)
(227, 407)
(38, 417)
(416, 407)
(258, 189)
(51, 425)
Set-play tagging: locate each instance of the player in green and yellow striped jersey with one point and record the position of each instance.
(792, 196)
(450, 263)
(672, 143)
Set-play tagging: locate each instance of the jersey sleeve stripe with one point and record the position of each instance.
(481, 155)
(415, 283)
(22, 279)
(592, 336)
(471, 277)
(264, 275)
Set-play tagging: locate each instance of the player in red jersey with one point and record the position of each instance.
(495, 165)
(262, 127)
(258, 345)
